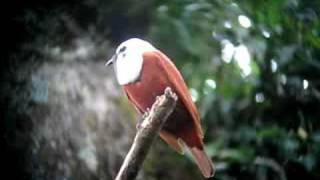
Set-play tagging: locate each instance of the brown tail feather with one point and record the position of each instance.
(172, 141)
(203, 161)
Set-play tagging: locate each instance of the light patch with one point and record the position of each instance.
(305, 84)
(244, 21)
(227, 51)
(129, 62)
(242, 56)
(266, 34)
(211, 83)
(193, 7)
(234, 4)
(259, 97)
(302, 133)
(274, 65)
(194, 94)
(227, 24)
(283, 79)
(163, 8)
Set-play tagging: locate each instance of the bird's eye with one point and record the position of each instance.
(122, 49)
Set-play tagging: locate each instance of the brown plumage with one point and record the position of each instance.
(158, 72)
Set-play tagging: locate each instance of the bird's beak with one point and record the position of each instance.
(110, 61)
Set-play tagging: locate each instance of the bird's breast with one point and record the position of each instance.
(152, 83)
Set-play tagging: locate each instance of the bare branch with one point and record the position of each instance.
(147, 132)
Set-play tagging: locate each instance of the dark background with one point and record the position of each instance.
(252, 67)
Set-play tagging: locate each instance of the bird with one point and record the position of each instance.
(144, 72)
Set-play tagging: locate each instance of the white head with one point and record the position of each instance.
(128, 60)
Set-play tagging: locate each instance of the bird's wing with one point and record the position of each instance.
(131, 100)
(178, 84)
(173, 141)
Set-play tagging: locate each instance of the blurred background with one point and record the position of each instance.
(252, 67)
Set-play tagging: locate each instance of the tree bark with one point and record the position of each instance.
(147, 132)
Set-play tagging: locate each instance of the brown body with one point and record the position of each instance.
(158, 72)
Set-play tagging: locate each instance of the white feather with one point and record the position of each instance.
(128, 63)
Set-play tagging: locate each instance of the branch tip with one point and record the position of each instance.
(170, 94)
